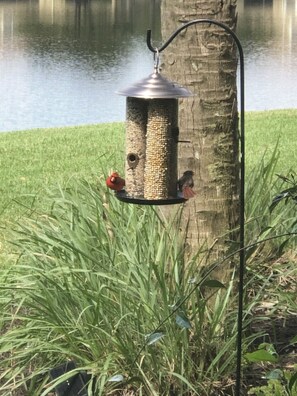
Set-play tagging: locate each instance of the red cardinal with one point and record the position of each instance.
(186, 184)
(115, 182)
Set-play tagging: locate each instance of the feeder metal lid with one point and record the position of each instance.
(155, 86)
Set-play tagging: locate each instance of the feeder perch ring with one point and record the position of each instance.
(124, 197)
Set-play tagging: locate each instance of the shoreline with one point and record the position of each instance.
(247, 112)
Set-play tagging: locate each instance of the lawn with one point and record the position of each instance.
(33, 160)
(265, 130)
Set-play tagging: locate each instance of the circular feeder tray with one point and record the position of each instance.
(122, 196)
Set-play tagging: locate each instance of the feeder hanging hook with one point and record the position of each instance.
(157, 60)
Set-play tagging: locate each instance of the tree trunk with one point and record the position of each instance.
(204, 59)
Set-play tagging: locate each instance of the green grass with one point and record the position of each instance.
(33, 160)
(267, 128)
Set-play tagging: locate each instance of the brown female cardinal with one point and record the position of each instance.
(115, 182)
(186, 183)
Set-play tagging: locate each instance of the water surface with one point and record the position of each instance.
(61, 61)
(268, 31)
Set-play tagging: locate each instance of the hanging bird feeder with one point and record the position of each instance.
(151, 140)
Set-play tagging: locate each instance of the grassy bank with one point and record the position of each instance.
(32, 160)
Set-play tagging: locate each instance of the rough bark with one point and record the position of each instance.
(204, 59)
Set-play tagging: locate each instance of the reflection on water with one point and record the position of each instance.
(268, 29)
(61, 61)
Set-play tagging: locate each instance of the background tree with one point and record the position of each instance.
(204, 58)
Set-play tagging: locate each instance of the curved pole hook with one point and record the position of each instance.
(242, 174)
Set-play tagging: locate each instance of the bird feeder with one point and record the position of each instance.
(151, 141)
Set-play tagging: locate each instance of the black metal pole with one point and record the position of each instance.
(242, 178)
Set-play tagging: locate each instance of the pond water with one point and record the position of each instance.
(61, 61)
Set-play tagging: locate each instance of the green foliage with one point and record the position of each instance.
(106, 285)
(264, 353)
(274, 388)
(271, 211)
(262, 186)
(289, 194)
(279, 382)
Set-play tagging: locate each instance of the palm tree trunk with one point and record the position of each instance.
(203, 58)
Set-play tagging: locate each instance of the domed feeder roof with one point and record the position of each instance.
(155, 86)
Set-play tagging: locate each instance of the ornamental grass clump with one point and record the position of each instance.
(105, 285)
(263, 184)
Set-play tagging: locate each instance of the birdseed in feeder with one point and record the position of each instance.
(135, 146)
(160, 140)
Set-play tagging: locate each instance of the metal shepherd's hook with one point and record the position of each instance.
(157, 51)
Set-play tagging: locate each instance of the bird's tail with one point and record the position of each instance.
(188, 192)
